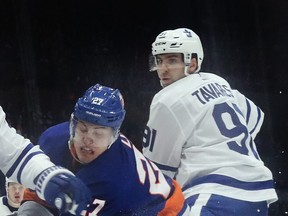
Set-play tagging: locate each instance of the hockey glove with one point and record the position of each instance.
(60, 188)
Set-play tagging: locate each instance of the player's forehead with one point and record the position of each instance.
(82, 123)
(14, 185)
(168, 55)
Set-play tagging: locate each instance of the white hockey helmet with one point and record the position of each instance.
(7, 181)
(181, 40)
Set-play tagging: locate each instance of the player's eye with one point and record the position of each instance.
(172, 61)
(159, 61)
(82, 127)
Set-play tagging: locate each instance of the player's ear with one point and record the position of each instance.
(193, 66)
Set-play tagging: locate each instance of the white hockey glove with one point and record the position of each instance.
(60, 188)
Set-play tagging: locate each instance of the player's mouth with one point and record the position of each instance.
(86, 150)
(165, 79)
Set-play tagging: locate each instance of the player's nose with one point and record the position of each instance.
(87, 140)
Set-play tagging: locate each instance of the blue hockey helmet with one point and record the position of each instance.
(101, 105)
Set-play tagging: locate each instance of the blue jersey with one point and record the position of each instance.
(122, 181)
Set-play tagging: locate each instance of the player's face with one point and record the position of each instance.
(170, 68)
(91, 140)
(15, 194)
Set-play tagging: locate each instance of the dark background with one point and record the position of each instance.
(52, 51)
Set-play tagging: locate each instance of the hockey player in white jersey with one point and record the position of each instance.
(26, 164)
(10, 202)
(201, 132)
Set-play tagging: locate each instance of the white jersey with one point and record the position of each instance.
(20, 160)
(4, 210)
(202, 132)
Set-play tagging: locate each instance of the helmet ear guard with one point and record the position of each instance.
(181, 40)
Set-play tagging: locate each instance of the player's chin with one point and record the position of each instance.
(86, 158)
(17, 200)
(165, 83)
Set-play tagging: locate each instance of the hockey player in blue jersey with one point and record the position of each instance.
(121, 180)
(201, 132)
(26, 164)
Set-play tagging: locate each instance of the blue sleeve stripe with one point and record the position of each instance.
(17, 162)
(232, 182)
(248, 111)
(24, 164)
(165, 167)
(259, 115)
(21, 156)
(255, 153)
(258, 120)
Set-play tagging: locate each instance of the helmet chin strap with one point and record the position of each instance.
(186, 70)
(161, 84)
(115, 136)
(73, 151)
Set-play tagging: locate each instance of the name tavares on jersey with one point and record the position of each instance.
(212, 91)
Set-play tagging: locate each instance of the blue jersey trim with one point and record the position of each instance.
(165, 167)
(24, 164)
(232, 182)
(21, 156)
(259, 115)
(258, 120)
(248, 111)
(255, 153)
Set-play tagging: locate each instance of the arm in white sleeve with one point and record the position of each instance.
(253, 114)
(20, 160)
(25, 163)
(164, 139)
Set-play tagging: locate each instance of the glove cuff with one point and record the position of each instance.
(46, 176)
